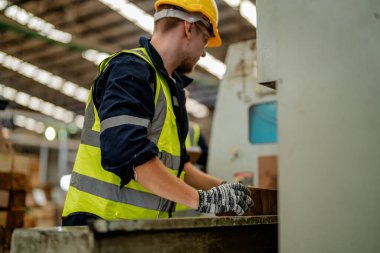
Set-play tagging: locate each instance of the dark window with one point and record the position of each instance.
(263, 123)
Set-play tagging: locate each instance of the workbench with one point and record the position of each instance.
(195, 234)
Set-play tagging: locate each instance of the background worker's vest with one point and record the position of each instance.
(97, 191)
(192, 141)
(192, 138)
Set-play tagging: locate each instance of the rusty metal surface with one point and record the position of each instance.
(55, 239)
(211, 234)
(215, 234)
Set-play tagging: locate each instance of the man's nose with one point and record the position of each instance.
(204, 53)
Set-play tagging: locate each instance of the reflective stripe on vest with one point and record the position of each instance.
(114, 193)
(94, 186)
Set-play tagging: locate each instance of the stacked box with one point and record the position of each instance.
(13, 182)
(33, 172)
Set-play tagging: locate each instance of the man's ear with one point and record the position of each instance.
(187, 28)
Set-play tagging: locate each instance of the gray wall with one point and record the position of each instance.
(328, 77)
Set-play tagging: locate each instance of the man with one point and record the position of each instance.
(132, 162)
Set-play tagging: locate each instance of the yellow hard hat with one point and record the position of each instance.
(207, 7)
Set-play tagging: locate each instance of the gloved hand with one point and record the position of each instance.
(225, 198)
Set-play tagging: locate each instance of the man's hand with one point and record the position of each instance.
(225, 198)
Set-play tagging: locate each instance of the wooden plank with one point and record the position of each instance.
(268, 172)
(265, 203)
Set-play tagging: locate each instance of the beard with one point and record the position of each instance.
(186, 67)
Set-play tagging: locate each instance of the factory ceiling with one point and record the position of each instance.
(64, 74)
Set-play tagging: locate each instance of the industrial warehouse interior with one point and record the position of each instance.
(283, 116)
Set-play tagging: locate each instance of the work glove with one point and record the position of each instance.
(225, 198)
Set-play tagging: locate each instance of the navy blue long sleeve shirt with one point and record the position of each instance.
(127, 87)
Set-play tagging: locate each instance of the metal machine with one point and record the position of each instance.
(244, 131)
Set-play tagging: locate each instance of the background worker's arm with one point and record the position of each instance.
(154, 176)
(198, 179)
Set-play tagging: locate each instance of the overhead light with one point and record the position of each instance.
(50, 133)
(26, 18)
(40, 127)
(246, 8)
(44, 77)
(233, 3)
(69, 89)
(40, 105)
(9, 93)
(125, 8)
(19, 120)
(29, 123)
(22, 98)
(47, 108)
(79, 121)
(132, 12)
(213, 65)
(55, 82)
(81, 94)
(68, 117)
(35, 103)
(3, 4)
(94, 56)
(248, 11)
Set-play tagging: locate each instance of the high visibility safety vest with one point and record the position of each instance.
(97, 191)
(192, 138)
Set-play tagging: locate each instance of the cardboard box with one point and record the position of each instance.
(17, 198)
(34, 172)
(6, 160)
(44, 216)
(4, 199)
(5, 144)
(12, 219)
(19, 181)
(5, 181)
(21, 164)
